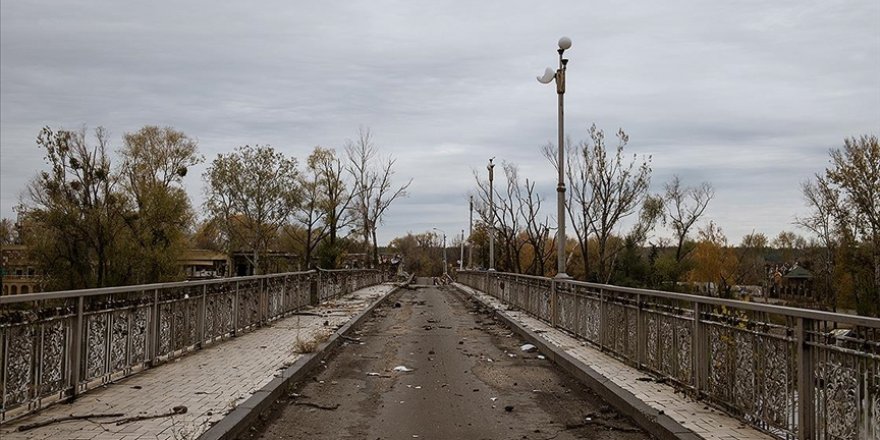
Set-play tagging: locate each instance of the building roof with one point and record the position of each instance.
(798, 272)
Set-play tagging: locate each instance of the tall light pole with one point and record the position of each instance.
(461, 260)
(444, 249)
(559, 76)
(491, 168)
(470, 235)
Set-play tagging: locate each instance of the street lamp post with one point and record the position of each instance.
(461, 260)
(444, 249)
(491, 168)
(559, 76)
(470, 237)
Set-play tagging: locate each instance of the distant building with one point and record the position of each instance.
(271, 261)
(201, 264)
(790, 282)
(19, 274)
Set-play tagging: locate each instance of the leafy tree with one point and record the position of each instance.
(715, 261)
(751, 258)
(422, 253)
(155, 160)
(77, 214)
(847, 196)
(252, 193)
(8, 233)
(632, 268)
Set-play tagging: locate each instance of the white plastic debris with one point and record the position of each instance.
(372, 374)
(493, 398)
(529, 348)
(541, 357)
(402, 369)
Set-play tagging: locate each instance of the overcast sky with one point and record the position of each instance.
(748, 95)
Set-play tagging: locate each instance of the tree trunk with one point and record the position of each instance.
(308, 251)
(375, 249)
(256, 261)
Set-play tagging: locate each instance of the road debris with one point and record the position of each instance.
(40, 424)
(177, 410)
(318, 405)
(529, 348)
(402, 369)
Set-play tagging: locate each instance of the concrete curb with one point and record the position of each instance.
(244, 415)
(651, 420)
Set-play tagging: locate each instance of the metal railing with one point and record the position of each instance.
(55, 345)
(794, 373)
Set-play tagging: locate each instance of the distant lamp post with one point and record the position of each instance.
(491, 168)
(444, 249)
(470, 237)
(461, 260)
(559, 76)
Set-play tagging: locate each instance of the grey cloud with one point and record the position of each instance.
(748, 95)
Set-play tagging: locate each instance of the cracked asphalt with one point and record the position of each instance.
(432, 364)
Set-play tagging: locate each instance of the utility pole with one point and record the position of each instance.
(471, 234)
(461, 260)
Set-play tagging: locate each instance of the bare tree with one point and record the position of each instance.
(579, 194)
(374, 191)
(685, 206)
(338, 195)
(618, 189)
(821, 222)
(309, 214)
(604, 189)
(846, 217)
(537, 231)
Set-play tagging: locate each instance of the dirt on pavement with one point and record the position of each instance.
(464, 376)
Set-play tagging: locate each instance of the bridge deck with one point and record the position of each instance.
(209, 382)
(703, 420)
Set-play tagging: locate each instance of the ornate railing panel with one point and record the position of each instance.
(794, 373)
(54, 345)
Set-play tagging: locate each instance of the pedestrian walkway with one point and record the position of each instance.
(208, 383)
(703, 420)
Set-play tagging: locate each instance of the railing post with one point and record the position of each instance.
(154, 337)
(76, 355)
(235, 308)
(805, 375)
(554, 303)
(603, 320)
(285, 304)
(264, 302)
(203, 315)
(698, 350)
(641, 335)
(314, 290)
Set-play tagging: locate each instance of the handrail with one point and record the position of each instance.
(56, 345)
(791, 372)
(863, 321)
(62, 294)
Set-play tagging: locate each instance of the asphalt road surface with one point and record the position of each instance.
(465, 377)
